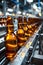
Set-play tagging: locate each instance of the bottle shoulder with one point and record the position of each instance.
(10, 36)
(20, 31)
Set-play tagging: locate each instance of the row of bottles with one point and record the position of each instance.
(28, 20)
(3, 21)
(25, 30)
(13, 42)
(20, 33)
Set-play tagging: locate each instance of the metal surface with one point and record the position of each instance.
(3, 59)
(2, 34)
(2, 39)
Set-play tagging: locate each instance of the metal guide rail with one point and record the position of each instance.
(2, 28)
(23, 51)
(2, 34)
(2, 45)
(2, 31)
(1, 40)
(4, 61)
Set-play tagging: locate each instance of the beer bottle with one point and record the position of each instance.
(10, 40)
(20, 33)
(25, 28)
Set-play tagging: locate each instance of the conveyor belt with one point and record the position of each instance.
(21, 54)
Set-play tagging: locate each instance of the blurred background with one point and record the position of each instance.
(34, 7)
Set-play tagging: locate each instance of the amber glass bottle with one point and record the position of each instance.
(31, 29)
(32, 25)
(30, 32)
(25, 28)
(10, 40)
(20, 33)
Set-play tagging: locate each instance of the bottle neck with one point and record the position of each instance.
(19, 26)
(10, 25)
(10, 29)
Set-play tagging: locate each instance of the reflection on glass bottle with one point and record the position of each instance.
(10, 40)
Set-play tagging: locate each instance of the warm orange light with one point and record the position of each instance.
(29, 26)
(22, 39)
(11, 46)
(10, 37)
(21, 44)
(25, 28)
(20, 31)
(10, 56)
